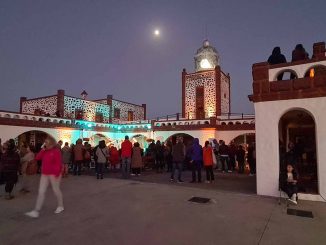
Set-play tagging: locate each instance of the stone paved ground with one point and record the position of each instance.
(114, 211)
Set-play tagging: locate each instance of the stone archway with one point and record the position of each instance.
(141, 139)
(187, 138)
(244, 139)
(297, 144)
(32, 137)
(96, 138)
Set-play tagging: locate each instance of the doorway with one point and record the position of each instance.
(200, 105)
(297, 144)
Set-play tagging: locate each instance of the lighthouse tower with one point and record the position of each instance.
(206, 92)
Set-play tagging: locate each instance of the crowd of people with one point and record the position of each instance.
(56, 160)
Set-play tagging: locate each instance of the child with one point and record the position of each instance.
(289, 183)
(208, 162)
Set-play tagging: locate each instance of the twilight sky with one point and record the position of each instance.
(108, 47)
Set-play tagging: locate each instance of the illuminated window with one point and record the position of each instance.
(312, 72)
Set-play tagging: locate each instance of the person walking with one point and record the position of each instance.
(252, 158)
(208, 162)
(224, 156)
(240, 154)
(78, 152)
(25, 160)
(196, 154)
(102, 154)
(136, 159)
(216, 147)
(159, 150)
(168, 156)
(232, 153)
(66, 159)
(126, 150)
(50, 156)
(178, 154)
(9, 167)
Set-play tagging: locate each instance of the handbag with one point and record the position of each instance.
(214, 159)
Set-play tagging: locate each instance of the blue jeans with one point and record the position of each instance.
(125, 167)
(179, 166)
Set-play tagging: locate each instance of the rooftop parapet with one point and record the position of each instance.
(307, 78)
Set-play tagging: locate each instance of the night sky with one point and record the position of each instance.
(108, 47)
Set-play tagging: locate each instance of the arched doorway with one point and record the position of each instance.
(297, 144)
(96, 138)
(141, 139)
(34, 137)
(244, 139)
(187, 139)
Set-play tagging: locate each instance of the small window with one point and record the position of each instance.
(116, 113)
(130, 115)
(224, 95)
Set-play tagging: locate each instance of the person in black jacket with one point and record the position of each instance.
(9, 166)
(277, 58)
(178, 154)
(240, 154)
(288, 183)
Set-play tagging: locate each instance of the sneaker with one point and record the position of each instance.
(172, 180)
(193, 181)
(229, 171)
(180, 181)
(9, 197)
(132, 174)
(59, 210)
(207, 182)
(292, 201)
(33, 214)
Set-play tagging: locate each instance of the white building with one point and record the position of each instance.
(291, 110)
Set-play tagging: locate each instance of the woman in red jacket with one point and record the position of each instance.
(208, 162)
(51, 174)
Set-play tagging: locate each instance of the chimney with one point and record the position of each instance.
(319, 50)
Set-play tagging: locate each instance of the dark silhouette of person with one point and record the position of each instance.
(299, 53)
(277, 58)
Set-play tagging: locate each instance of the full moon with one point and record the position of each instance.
(157, 32)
